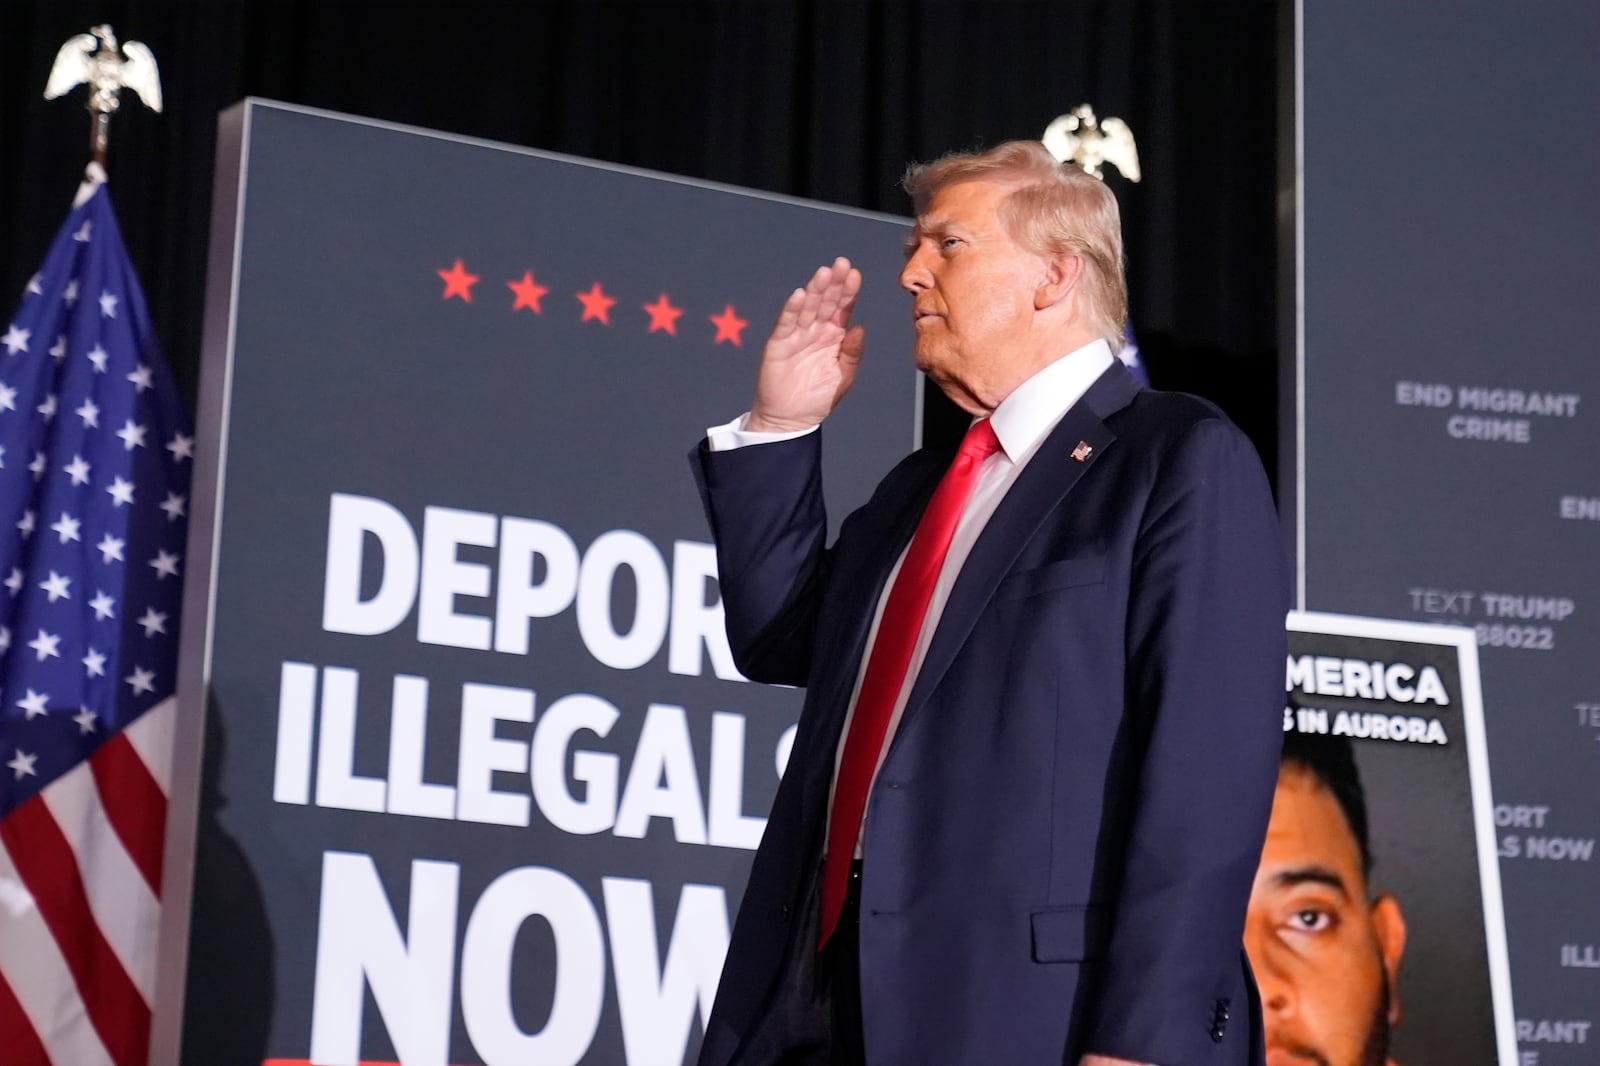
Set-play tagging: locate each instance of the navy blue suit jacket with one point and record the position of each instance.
(1061, 841)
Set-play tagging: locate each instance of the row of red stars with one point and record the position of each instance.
(597, 304)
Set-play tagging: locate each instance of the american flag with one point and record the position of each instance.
(1130, 355)
(95, 454)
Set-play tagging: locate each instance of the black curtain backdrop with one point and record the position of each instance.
(825, 99)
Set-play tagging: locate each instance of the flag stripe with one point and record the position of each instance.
(32, 967)
(151, 736)
(21, 1043)
(134, 804)
(45, 862)
(128, 914)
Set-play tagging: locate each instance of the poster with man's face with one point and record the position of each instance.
(1374, 927)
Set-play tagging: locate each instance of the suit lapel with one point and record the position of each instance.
(1047, 479)
(862, 575)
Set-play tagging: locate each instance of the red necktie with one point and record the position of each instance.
(888, 660)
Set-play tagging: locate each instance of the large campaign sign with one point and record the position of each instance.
(478, 781)
(1446, 415)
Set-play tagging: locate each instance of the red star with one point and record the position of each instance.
(729, 326)
(596, 304)
(663, 315)
(457, 282)
(529, 293)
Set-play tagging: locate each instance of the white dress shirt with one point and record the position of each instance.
(1021, 422)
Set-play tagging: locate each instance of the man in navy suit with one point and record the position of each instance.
(1069, 779)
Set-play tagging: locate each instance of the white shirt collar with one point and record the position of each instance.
(1032, 410)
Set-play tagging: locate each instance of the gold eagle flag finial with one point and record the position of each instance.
(1078, 137)
(96, 58)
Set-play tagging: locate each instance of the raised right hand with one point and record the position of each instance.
(811, 358)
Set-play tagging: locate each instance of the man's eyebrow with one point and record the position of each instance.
(926, 227)
(1314, 875)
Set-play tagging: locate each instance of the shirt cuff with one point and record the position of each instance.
(731, 435)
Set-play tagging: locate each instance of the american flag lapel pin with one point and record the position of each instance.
(1081, 452)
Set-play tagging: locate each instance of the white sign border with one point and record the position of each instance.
(1465, 642)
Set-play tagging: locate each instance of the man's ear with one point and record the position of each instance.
(1389, 929)
(1060, 280)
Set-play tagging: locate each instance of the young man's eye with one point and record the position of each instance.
(1310, 920)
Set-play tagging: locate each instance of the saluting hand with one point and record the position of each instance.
(811, 358)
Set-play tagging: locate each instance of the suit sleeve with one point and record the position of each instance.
(764, 504)
(1204, 689)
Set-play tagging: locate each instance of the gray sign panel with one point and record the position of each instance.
(1447, 386)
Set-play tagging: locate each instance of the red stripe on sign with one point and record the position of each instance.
(134, 805)
(44, 860)
(21, 1043)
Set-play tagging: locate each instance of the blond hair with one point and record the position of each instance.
(1056, 209)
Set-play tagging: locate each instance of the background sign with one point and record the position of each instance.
(1448, 390)
(481, 783)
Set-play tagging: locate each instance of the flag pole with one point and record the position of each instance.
(99, 135)
(95, 459)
